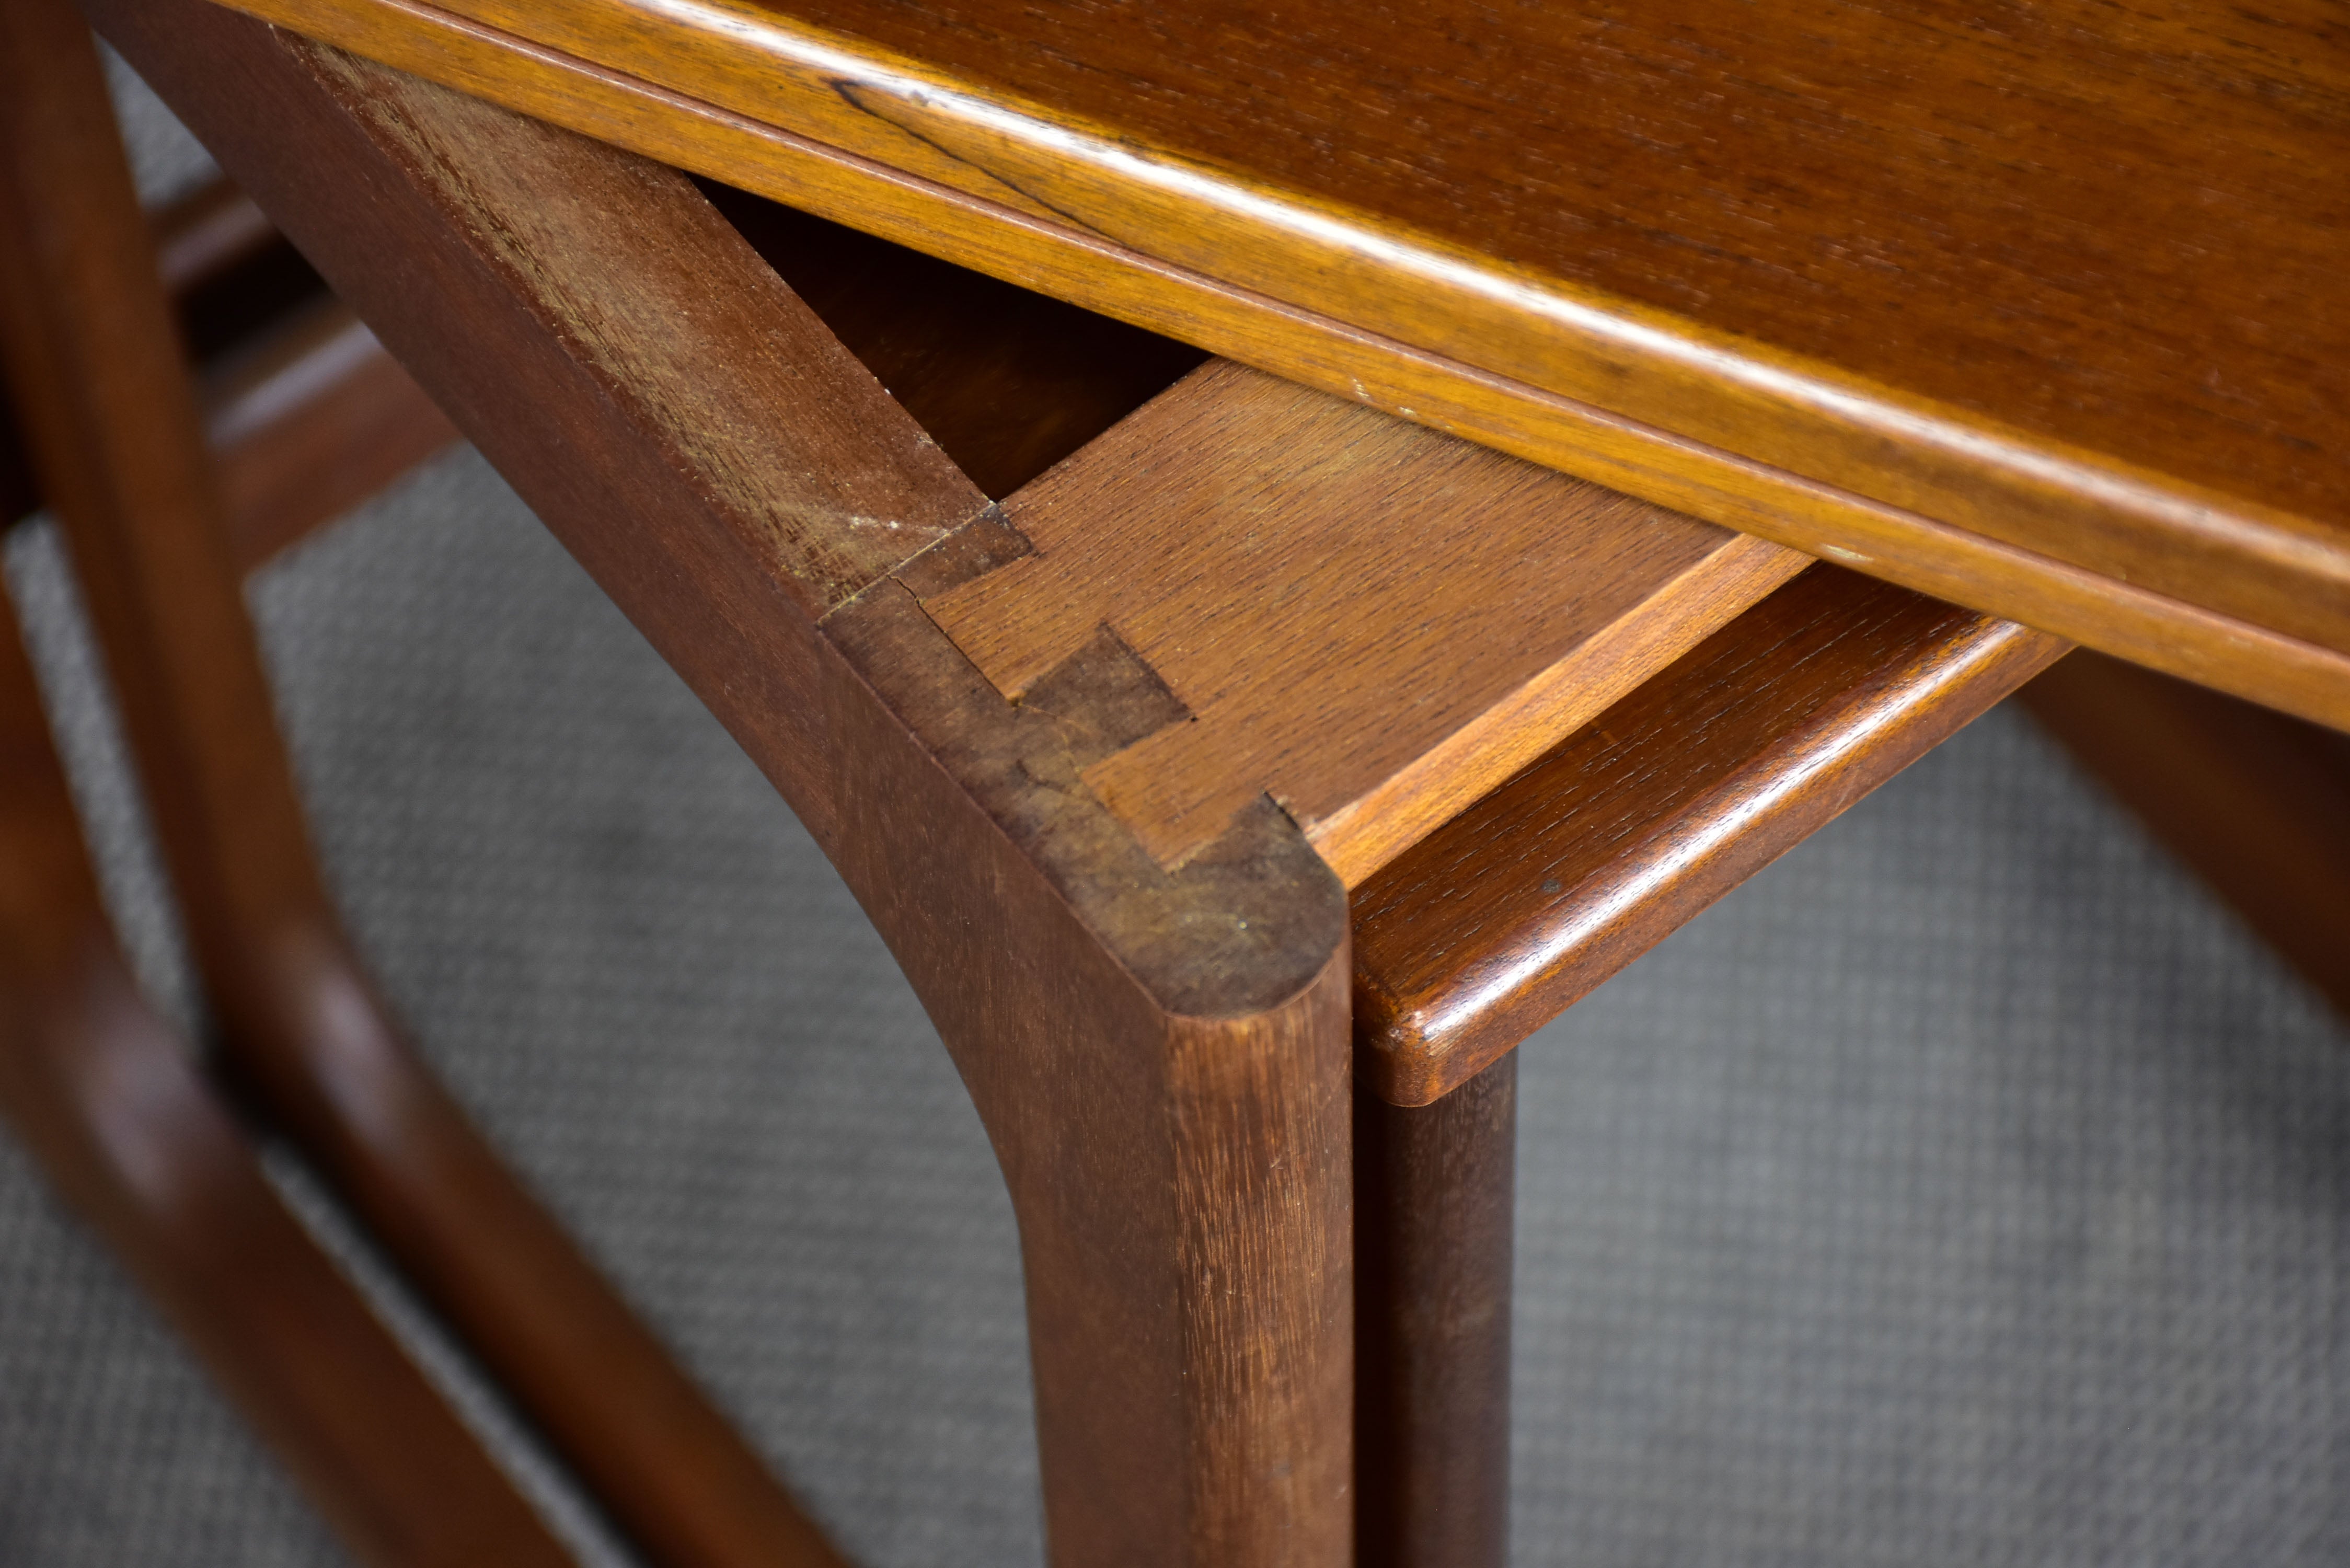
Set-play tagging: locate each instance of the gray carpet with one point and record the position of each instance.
(1965, 1189)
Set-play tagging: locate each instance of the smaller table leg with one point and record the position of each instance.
(1434, 1189)
(110, 1105)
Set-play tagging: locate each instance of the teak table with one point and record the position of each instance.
(1241, 757)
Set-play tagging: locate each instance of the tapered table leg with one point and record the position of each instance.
(1168, 1096)
(112, 423)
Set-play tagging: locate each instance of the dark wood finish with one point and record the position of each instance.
(114, 430)
(210, 232)
(310, 418)
(1174, 1139)
(213, 230)
(307, 415)
(1008, 381)
(18, 495)
(307, 423)
(2038, 314)
(1435, 1190)
(2255, 802)
(1499, 919)
(230, 275)
(1369, 623)
(110, 1105)
(1160, 1058)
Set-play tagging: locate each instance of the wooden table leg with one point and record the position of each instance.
(112, 422)
(1175, 1140)
(2255, 802)
(1627, 828)
(1161, 1057)
(1435, 1189)
(111, 1105)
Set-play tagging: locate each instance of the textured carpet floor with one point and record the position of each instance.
(1965, 1189)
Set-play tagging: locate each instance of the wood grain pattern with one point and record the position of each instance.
(113, 427)
(1514, 910)
(1160, 1058)
(1886, 350)
(1167, 1086)
(1369, 622)
(2257, 804)
(110, 1103)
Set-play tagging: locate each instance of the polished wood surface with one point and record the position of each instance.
(2257, 804)
(2034, 314)
(1506, 915)
(109, 1102)
(1367, 622)
(114, 431)
(1435, 1194)
(1160, 1058)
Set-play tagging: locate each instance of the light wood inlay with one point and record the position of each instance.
(1368, 621)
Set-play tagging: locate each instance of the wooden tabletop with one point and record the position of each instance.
(2040, 309)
